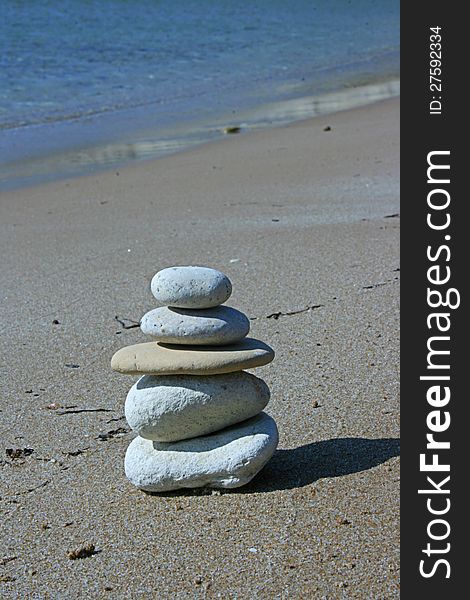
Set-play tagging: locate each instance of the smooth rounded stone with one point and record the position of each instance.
(176, 407)
(156, 358)
(191, 287)
(227, 459)
(221, 325)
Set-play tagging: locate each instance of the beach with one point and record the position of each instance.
(304, 219)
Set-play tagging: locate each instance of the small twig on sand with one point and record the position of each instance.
(113, 433)
(276, 315)
(127, 323)
(82, 410)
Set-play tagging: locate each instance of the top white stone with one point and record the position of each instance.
(191, 287)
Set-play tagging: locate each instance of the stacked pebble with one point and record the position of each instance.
(197, 413)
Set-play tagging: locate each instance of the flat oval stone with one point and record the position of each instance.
(227, 459)
(176, 407)
(191, 287)
(156, 358)
(221, 325)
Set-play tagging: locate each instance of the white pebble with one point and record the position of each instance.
(176, 407)
(217, 326)
(227, 459)
(191, 287)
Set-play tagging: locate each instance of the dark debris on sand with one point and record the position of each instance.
(83, 552)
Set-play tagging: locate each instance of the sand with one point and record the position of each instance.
(304, 222)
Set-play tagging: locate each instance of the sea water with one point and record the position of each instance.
(89, 84)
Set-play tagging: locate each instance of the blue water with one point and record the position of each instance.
(69, 60)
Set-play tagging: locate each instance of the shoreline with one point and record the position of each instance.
(144, 144)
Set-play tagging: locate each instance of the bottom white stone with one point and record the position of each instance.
(227, 459)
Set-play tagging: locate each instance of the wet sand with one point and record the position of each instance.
(304, 221)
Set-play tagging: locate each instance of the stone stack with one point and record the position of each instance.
(197, 413)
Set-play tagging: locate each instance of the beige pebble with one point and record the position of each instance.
(156, 358)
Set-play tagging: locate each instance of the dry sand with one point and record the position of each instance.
(299, 218)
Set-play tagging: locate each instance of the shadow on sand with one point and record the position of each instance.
(301, 466)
